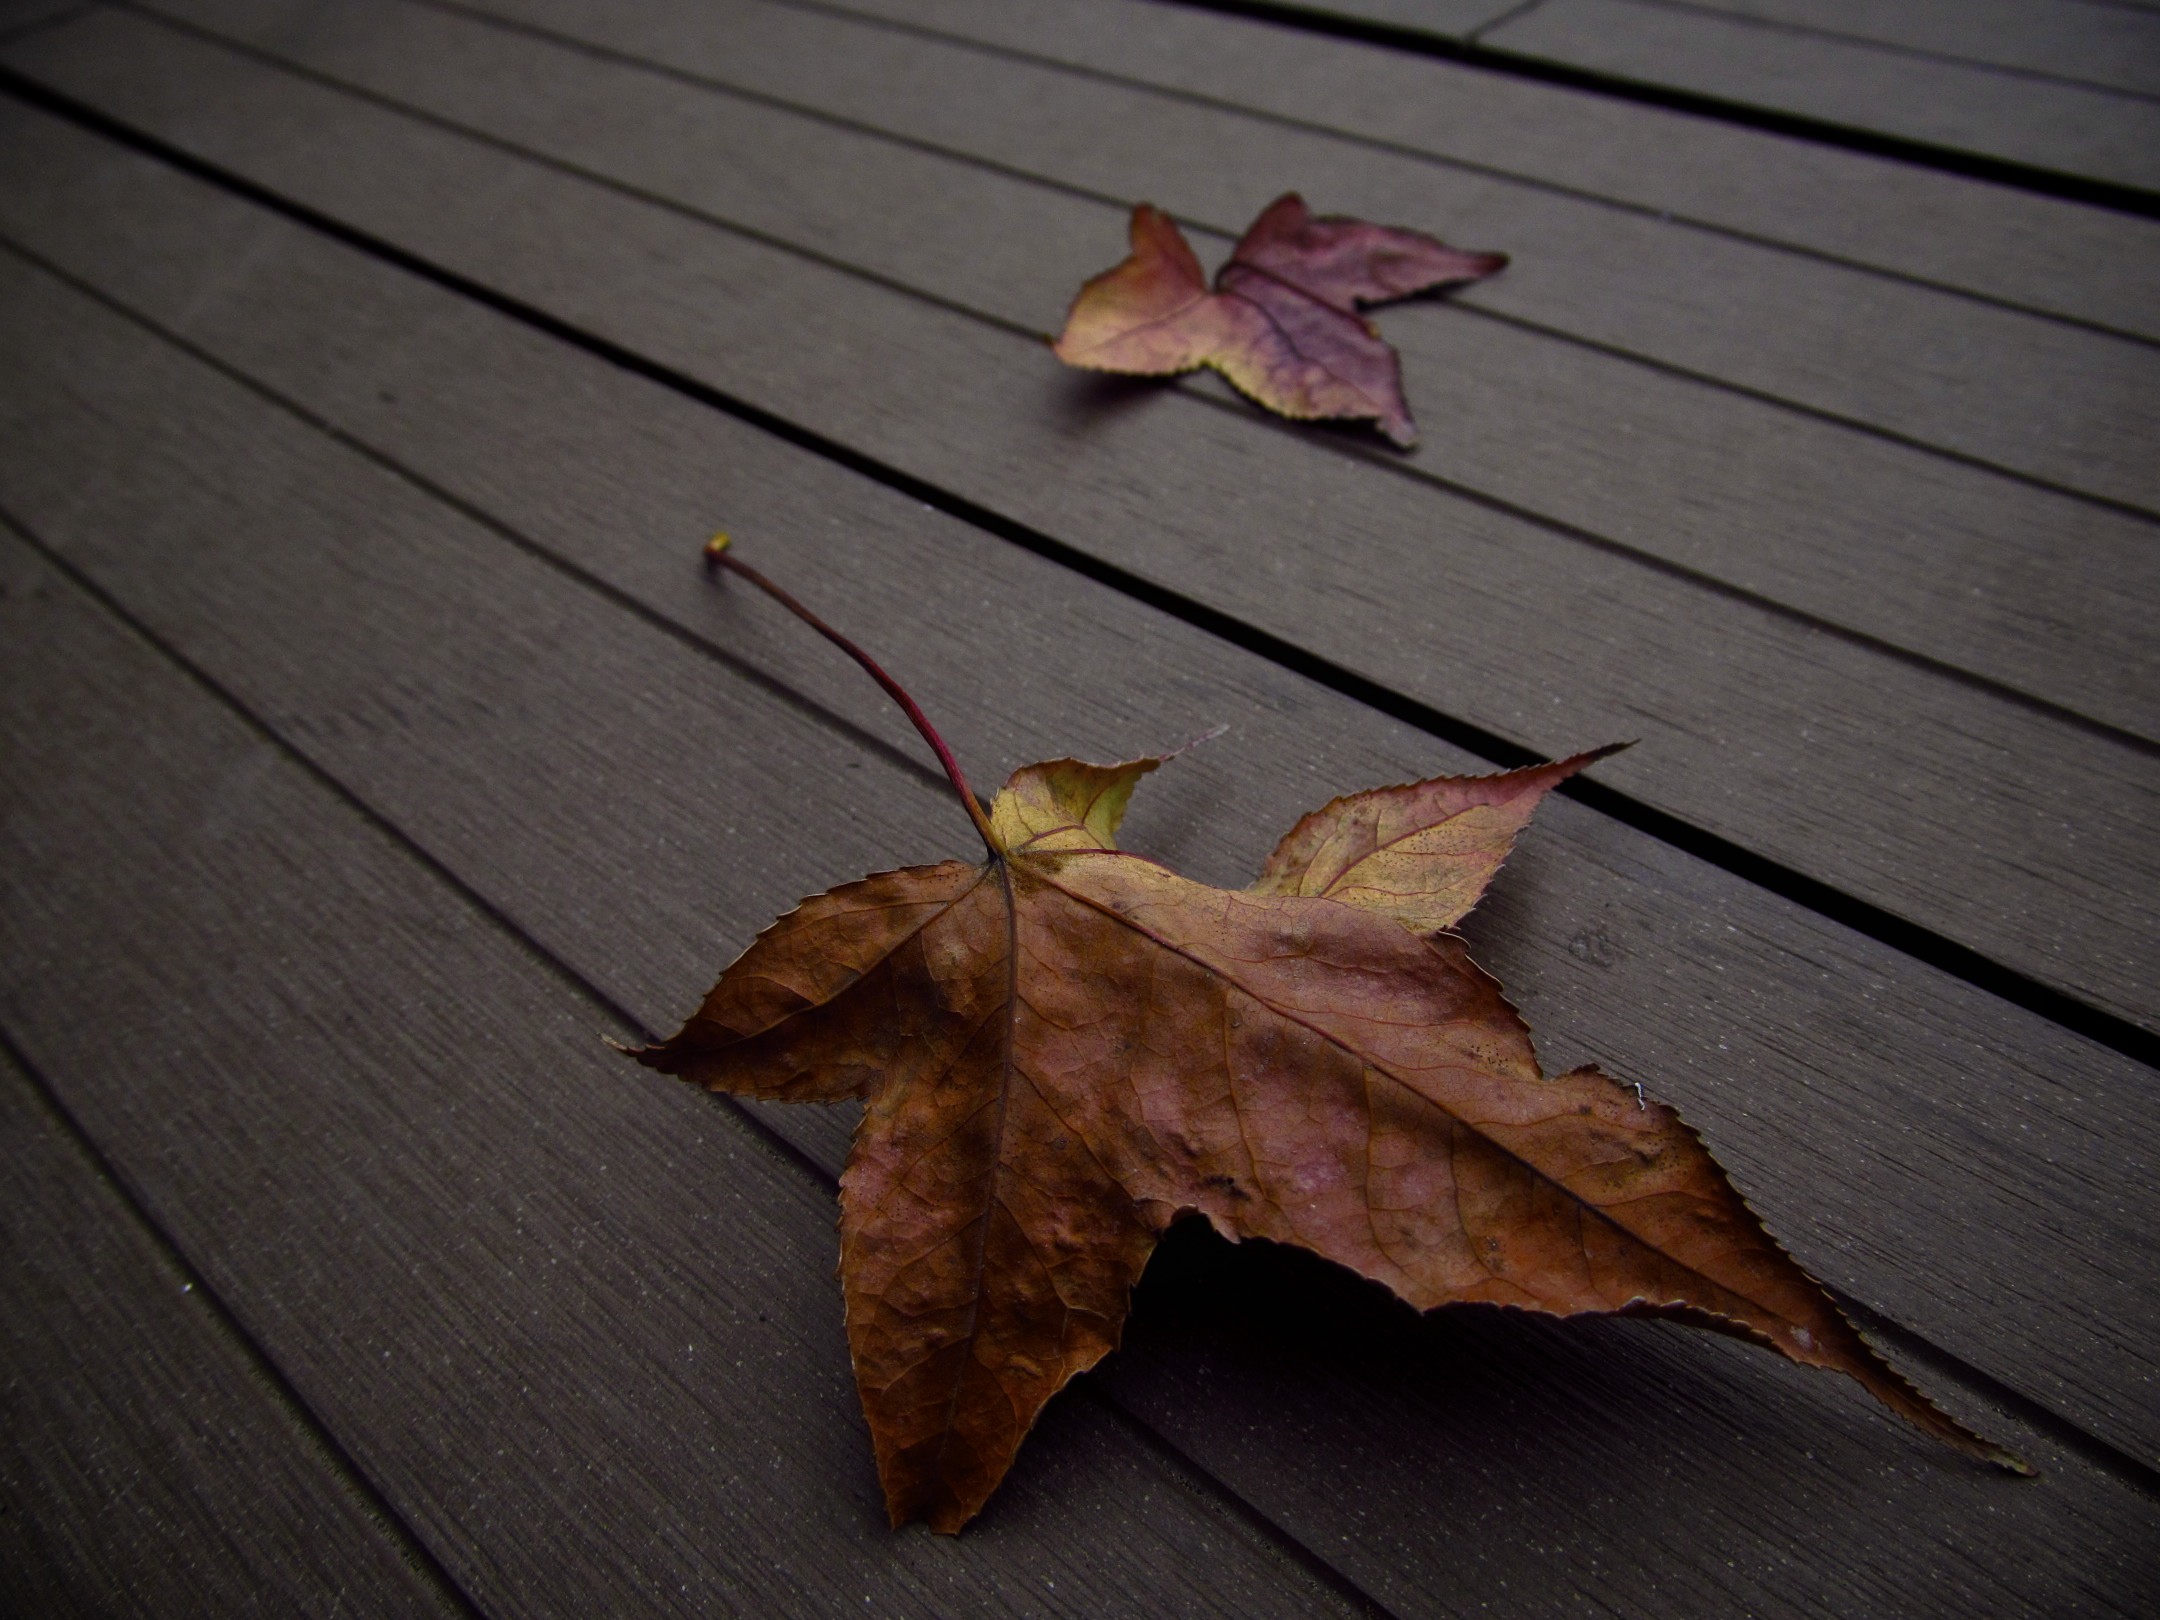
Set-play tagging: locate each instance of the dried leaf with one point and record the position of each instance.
(1282, 323)
(1065, 1048)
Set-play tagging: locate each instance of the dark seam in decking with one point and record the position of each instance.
(915, 143)
(1885, 927)
(1651, 561)
(2108, 1458)
(908, 290)
(2030, 177)
(1184, 1468)
(869, 741)
(1886, 47)
(1303, 126)
(2105, 730)
(374, 1503)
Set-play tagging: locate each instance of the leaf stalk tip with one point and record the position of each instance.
(718, 555)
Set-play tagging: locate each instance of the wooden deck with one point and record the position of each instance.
(371, 744)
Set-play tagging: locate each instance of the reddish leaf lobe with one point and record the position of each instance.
(1282, 322)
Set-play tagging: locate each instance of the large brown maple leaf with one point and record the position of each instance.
(1282, 322)
(1065, 1047)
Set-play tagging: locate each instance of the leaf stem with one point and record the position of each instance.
(718, 555)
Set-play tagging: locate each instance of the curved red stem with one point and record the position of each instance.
(718, 555)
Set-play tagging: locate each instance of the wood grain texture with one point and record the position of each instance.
(554, 1235)
(2096, 134)
(146, 1465)
(2035, 252)
(2108, 45)
(581, 1329)
(17, 16)
(2033, 396)
(1771, 1029)
(1759, 729)
(2050, 595)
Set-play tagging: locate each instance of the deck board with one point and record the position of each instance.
(2103, 45)
(2098, 134)
(1756, 727)
(370, 741)
(2107, 45)
(580, 1326)
(145, 1464)
(2024, 249)
(346, 667)
(1708, 1003)
(1570, 431)
(1946, 372)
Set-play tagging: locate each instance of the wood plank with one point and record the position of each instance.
(1772, 1029)
(1903, 360)
(21, 16)
(1836, 522)
(1880, 779)
(146, 1464)
(1402, 1380)
(581, 1327)
(2034, 252)
(2103, 44)
(2066, 128)
(617, 1206)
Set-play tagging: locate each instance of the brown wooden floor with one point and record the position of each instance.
(371, 744)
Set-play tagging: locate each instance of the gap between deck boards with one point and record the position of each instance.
(337, 1460)
(582, 576)
(1817, 621)
(1471, 52)
(1197, 1475)
(256, 724)
(2064, 1431)
(1864, 917)
(885, 15)
(446, 120)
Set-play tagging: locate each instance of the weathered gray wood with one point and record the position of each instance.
(2101, 43)
(1776, 1032)
(1906, 360)
(1331, 1363)
(2097, 134)
(2033, 251)
(146, 1466)
(558, 1213)
(1889, 781)
(2105, 44)
(580, 1327)
(2051, 595)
